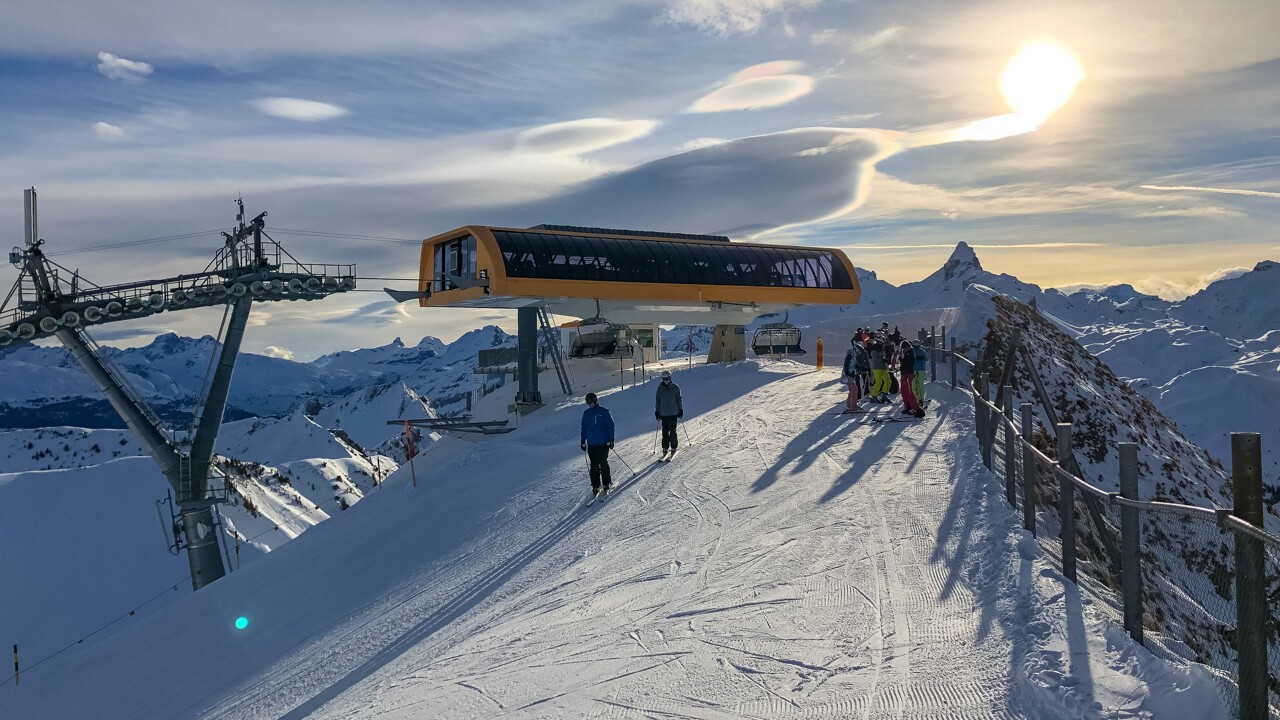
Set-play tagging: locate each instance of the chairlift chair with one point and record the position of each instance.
(599, 338)
(778, 339)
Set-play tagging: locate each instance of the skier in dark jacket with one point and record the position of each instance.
(668, 408)
(851, 375)
(597, 440)
(907, 368)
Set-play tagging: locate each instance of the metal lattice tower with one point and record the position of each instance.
(49, 301)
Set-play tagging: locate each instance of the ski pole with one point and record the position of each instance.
(684, 433)
(624, 462)
(655, 442)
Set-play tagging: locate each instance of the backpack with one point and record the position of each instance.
(850, 363)
(922, 360)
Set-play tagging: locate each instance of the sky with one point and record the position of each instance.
(1070, 143)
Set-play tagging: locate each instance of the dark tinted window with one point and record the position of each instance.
(569, 257)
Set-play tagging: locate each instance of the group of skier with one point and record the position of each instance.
(598, 431)
(882, 363)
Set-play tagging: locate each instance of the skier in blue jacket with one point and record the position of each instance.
(597, 440)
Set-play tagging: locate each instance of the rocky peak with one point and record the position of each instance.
(963, 261)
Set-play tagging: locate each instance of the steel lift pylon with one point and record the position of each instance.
(53, 302)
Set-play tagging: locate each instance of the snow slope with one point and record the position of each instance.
(1242, 307)
(790, 563)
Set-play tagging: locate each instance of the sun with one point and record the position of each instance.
(1040, 78)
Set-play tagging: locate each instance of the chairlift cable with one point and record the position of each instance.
(130, 243)
(346, 236)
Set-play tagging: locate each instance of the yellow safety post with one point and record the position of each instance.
(819, 353)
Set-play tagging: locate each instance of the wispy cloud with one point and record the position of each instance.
(894, 197)
(1201, 211)
(276, 351)
(701, 142)
(1222, 191)
(760, 86)
(299, 109)
(107, 131)
(117, 68)
(726, 17)
(1170, 289)
(861, 44)
(979, 246)
(575, 137)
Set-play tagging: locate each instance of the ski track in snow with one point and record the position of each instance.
(790, 563)
(726, 626)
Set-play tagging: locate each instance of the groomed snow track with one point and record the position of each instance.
(790, 563)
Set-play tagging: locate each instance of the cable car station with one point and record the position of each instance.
(612, 277)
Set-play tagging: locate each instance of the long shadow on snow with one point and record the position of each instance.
(466, 599)
(806, 447)
(875, 446)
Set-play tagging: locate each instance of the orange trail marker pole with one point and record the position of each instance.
(819, 353)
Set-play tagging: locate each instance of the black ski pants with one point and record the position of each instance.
(670, 437)
(599, 457)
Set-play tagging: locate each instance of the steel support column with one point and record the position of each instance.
(527, 356)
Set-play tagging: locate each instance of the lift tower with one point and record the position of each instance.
(53, 302)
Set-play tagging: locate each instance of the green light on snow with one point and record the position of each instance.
(242, 622)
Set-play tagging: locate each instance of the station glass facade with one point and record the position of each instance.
(555, 256)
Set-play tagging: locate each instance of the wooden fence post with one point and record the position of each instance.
(1028, 471)
(954, 363)
(1130, 542)
(933, 353)
(1066, 504)
(982, 418)
(1251, 582)
(1010, 465)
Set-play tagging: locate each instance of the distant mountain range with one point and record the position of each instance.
(1211, 361)
(45, 387)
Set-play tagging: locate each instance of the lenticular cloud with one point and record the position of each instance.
(760, 86)
(741, 187)
(582, 136)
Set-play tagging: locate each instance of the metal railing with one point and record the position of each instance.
(1223, 612)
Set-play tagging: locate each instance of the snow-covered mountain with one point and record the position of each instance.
(946, 286)
(1211, 362)
(1187, 558)
(44, 387)
(1242, 307)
